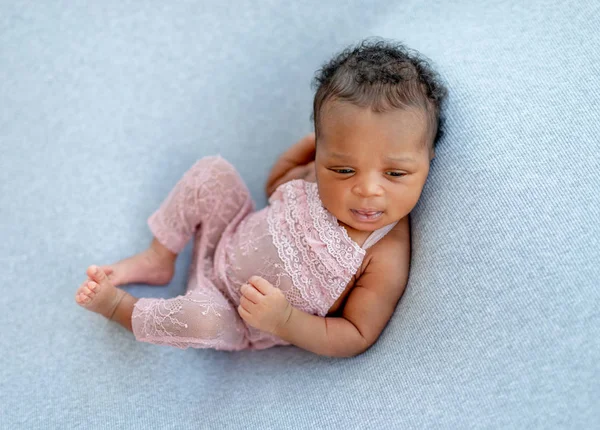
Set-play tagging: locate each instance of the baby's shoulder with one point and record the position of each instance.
(386, 264)
(394, 246)
(399, 236)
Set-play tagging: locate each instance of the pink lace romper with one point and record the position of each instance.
(294, 243)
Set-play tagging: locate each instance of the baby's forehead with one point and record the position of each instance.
(335, 109)
(382, 144)
(343, 121)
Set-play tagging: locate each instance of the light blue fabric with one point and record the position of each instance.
(104, 105)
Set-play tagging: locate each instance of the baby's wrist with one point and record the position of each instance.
(283, 329)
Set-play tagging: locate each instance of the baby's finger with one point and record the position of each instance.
(262, 285)
(243, 313)
(250, 293)
(246, 304)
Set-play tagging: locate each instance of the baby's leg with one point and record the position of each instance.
(210, 192)
(202, 318)
(153, 266)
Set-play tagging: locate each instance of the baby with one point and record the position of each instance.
(324, 265)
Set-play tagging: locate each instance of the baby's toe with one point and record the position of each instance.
(90, 271)
(81, 287)
(85, 292)
(81, 298)
(98, 275)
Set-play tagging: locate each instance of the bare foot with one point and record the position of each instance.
(152, 266)
(99, 295)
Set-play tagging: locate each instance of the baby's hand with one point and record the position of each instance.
(263, 306)
(304, 171)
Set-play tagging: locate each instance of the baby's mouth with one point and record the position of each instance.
(366, 215)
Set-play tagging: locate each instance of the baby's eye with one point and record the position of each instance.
(343, 171)
(396, 174)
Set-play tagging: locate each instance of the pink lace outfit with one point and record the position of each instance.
(294, 243)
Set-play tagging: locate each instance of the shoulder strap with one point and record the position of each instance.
(377, 235)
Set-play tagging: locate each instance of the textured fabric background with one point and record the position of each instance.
(104, 105)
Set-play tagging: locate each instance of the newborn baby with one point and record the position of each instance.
(324, 265)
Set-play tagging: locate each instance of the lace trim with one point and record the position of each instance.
(323, 221)
(319, 212)
(319, 258)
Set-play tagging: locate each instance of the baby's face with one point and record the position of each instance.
(370, 167)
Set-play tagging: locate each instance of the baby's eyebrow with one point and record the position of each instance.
(340, 155)
(400, 159)
(397, 158)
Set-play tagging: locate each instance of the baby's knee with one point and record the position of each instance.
(213, 166)
(213, 162)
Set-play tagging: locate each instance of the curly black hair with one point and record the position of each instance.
(382, 75)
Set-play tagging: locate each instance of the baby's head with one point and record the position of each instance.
(378, 116)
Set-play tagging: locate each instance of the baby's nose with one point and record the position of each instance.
(368, 188)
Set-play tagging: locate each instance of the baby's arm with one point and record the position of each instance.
(367, 311)
(295, 163)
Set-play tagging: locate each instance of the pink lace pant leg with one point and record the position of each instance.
(209, 195)
(203, 318)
